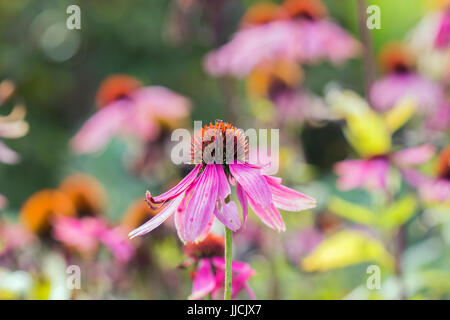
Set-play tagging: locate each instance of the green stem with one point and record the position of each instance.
(228, 259)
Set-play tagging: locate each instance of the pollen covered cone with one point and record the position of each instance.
(269, 78)
(86, 193)
(306, 9)
(115, 87)
(212, 246)
(397, 57)
(42, 207)
(137, 213)
(216, 137)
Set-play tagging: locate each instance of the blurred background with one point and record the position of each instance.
(325, 253)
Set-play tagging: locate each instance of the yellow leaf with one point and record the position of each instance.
(352, 211)
(400, 114)
(399, 212)
(366, 130)
(344, 249)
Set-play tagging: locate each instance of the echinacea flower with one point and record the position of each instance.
(128, 108)
(209, 275)
(85, 234)
(401, 80)
(203, 195)
(297, 30)
(370, 135)
(280, 83)
(434, 189)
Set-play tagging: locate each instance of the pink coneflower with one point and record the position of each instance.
(433, 189)
(86, 234)
(373, 172)
(401, 80)
(209, 275)
(204, 194)
(128, 108)
(280, 83)
(298, 30)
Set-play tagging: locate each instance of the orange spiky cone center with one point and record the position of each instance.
(116, 87)
(212, 246)
(219, 137)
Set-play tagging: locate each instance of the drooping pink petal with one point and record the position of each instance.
(413, 156)
(369, 173)
(323, 39)
(387, 91)
(164, 103)
(252, 46)
(351, 173)
(241, 273)
(201, 205)
(288, 199)
(81, 234)
(157, 220)
(207, 229)
(99, 129)
(442, 39)
(253, 183)
(228, 214)
(436, 190)
(175, 191)
(440, 118)
(204, 281)
(224, 186)
(269, 215)
(118, 243)
(243, 201)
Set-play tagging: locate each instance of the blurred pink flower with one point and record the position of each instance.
(302, 243)
(433, 189)
(206, 282)
(442, 39)
(401, 80)
(372, 173)
(14, 236)
(85, 234)
(131, 110)
(299, 32)
(201, 196)
(209, 275)
(440, 119)
(387, 91)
